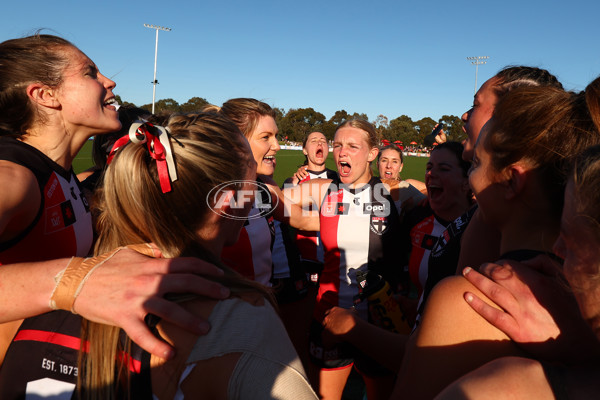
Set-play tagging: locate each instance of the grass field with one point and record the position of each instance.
(288, 162)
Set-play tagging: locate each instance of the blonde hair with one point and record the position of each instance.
(244, 112)
(207, 149)
(372, 135)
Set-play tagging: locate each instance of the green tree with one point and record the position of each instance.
(339, 117)
(193, 104)
(381, 126)
(362, 116)
(122, 102)
(453, 128)
(285, 129)
(403, 129)
(424, 127)
(331, 125)
(303, 121)
(163, 105)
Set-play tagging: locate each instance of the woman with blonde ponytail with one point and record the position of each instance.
(235, 360)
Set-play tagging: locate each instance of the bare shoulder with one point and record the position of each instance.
(448, 319)
(19, 205)
(18, 176)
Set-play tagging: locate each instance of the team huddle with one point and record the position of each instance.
(177, 268)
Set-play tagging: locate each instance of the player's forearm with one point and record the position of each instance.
(25, 288)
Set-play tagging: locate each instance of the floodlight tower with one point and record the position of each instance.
(477, 61)
(154, 82)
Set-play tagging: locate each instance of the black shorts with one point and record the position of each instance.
(341, 355)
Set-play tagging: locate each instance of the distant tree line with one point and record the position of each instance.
(298, 122)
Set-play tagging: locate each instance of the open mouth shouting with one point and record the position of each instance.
(435, 192)
(319, 153)
(344, 168)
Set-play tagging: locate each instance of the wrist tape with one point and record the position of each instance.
(70, 280)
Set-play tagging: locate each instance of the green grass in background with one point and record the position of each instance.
(288, 162)
(83, 160)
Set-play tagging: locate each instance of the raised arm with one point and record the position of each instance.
(298, 206)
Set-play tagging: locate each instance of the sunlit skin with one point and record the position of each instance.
(316, 151)
(86, 97)
(447, 187)
(264, 145)
(578, 246)
(484, 102)
(352, 155)
(67, 115)
(390, 165)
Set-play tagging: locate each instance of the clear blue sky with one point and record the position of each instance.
(374, 57)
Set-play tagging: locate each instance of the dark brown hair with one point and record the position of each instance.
(394, 147)
(544, 126)
(512, 77)
(37, 58)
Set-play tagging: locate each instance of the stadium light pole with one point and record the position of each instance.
(477, 61)
(154, 82)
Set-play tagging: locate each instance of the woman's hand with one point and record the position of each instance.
(512, 285)
(538, 310)
(339, 321)
(129, 286)
(300, 175)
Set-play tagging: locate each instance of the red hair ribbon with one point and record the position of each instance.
(159, 148)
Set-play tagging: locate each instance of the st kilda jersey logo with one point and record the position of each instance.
(378, 224)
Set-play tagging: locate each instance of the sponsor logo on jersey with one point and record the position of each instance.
(379, 209)
(328, 209)
(68, 213)
(60, 216)
(342, 209)
(53, 183)
(428, 241)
